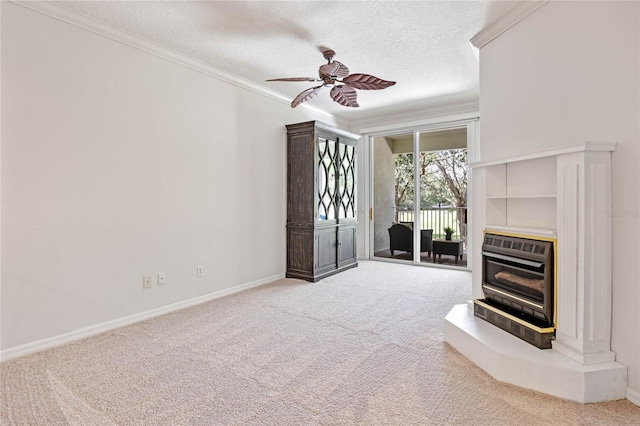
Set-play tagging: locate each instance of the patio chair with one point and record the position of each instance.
(401, 238)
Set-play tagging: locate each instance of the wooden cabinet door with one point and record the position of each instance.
(346, 245)
(326, 253)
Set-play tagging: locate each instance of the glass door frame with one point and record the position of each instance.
(472, 126)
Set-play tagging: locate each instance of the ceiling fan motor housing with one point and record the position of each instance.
(328, 54)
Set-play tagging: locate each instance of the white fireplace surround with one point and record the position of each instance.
(563, 194)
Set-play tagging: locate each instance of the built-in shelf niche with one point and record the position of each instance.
(522, 194)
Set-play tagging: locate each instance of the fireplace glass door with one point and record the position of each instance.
(522, 277)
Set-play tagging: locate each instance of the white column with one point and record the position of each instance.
(477, 206)
(584, 255)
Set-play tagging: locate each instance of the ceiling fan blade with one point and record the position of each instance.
(305, 96)
(367, 82)
(345, 96)
(342, 71)
(295, 79)
(334, 69)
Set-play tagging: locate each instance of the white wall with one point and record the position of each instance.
(117, 163)
(567, 74)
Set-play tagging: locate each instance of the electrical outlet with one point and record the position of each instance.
(146, 281)
(162, 278)
(200, 271)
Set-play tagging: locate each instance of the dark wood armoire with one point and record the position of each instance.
(321, 200)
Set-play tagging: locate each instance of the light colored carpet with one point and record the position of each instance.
(362, 347)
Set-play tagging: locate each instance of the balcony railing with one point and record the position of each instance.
(437, 218)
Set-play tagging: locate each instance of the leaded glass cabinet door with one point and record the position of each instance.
(327, 173)
(346, 199)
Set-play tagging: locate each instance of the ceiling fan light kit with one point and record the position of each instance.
(343, 85)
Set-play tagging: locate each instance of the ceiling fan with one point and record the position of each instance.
(343, 85)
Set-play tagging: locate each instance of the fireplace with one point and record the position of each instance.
(580, 366)
(518, 285)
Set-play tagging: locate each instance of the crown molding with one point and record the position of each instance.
(60, 13)
(426, 116)
(506, 21)
(589, 146)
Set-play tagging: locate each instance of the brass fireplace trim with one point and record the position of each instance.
(513, 318)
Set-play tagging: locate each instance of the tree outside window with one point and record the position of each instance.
(443, 182)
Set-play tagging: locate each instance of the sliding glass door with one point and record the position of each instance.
(392, 196)
(419, 193)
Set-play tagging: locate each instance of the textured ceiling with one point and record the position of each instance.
(422, 45)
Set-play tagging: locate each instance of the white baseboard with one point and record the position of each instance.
(633, 396)
(93, 330)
